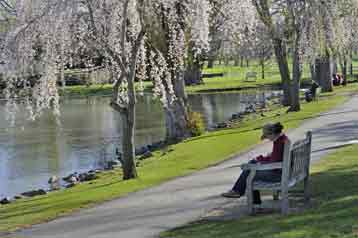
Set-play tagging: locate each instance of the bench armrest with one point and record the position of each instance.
(262, 166)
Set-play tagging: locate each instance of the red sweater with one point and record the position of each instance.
(277, 151)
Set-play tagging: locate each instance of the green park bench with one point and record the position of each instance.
(251, 77)
(295, 168)
(213, 75)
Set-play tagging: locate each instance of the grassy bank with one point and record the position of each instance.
(335, 213)
(184, 158)
(234, 79)
(97, 89)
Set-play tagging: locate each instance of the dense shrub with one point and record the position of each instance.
(196, 123)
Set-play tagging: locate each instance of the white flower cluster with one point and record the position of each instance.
(200, 13)
(50, 35)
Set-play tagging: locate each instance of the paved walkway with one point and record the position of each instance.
(149, 212)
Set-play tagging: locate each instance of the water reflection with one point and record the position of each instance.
(32, 152)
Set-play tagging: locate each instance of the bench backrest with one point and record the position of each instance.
(296, 161)
(251, 75)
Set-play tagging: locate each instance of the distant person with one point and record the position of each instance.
(273, 132)
(313, 89)
(337, 79)
(311, 94)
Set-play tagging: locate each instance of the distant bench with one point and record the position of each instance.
(215, 75)
(250, 77)
(295, 168)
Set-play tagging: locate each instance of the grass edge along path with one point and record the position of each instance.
(334, 183)
(182, 159)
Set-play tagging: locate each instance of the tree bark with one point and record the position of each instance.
(177, 113)
(193, 75)
(227, 61)
(262, 62)
(351, 64)
(127, 113)
(313, 71)
(344, 70)
(334, 66)
(211, 63)
(236, 61)
(281, 57)
(324, 73)
(128, 150)
(297, 73)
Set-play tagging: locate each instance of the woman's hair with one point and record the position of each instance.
(277, 128)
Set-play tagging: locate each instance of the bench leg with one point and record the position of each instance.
(284, 203)
(250, 200)
(306, 191)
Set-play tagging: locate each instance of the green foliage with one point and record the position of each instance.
(196, 123)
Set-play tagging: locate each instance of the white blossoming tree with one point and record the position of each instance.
(167, 40)
(322, 41)
(346, 37)
(170, 37)
(271, 13)
(331, 36)
(41, 44)
(41, 41)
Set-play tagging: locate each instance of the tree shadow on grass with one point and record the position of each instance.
(334, 213)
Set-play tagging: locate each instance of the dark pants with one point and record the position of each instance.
(273, 176)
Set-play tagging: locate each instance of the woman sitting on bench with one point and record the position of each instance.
(273, 132)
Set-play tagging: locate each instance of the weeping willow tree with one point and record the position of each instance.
(41, 44)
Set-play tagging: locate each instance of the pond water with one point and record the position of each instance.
(88, 134)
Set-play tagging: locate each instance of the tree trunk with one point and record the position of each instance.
(334, 66)
(170, 125)
(351, 65)
(296, 78)
(236, 61)
(262, 61)
(242, 62)
(177, 113)
(211, 63)
(193, 75)
(281, 57)
(128, 150)
(247, 62)
(324, 73)
(313, 71)
(62, 73)
(344, 71)
(127, 113)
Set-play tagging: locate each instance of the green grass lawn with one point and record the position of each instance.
(234, 79)
(334, 184)
(97, 89)
(185, 158)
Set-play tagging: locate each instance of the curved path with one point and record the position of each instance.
(151, 211)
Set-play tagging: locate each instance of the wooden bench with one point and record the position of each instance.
(213, 75)
(295, 168)
(251, 75)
